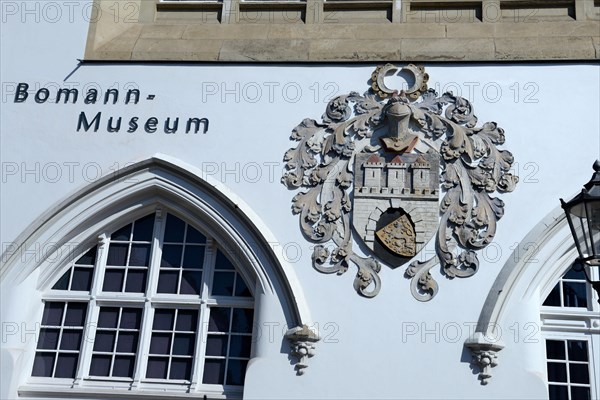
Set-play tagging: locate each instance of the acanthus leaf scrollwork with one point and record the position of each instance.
(472, 169)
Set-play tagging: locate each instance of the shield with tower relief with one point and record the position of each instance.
(395, 203)
(378, 163)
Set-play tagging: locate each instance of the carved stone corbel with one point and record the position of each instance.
(302, 341)
(485, 354)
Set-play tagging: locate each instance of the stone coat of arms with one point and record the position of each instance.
(378, 163)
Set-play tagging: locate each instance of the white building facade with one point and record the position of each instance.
(180, 214)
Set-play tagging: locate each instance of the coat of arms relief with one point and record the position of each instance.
(390, 170)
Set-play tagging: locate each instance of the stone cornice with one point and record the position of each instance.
(191, 32)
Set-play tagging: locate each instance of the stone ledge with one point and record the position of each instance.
(596, 43)
(499, 30)
(353, 50)
(546, 48)
(264, 50)
(464, 49)
(225, 32)
(156, 31)
(359, 42)
(177, 49)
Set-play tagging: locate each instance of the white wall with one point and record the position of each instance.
(549, 113)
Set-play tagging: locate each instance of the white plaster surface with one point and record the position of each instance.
(370, 348)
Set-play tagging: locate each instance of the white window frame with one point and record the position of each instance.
(85, 385)
(593, 343)
(73, 224)
(576, 323)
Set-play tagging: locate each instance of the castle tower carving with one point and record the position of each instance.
(407, 174)
(420, 175)
(372, 176)
(407, 182)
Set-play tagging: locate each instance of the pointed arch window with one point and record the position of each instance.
(159, 304)
(571, 328)
(571, 290)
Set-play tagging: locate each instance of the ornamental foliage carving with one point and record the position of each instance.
(413, 131)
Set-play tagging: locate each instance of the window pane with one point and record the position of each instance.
(241, 289)
(48, 339)
(127, 342)
(574, 294)
(558, 392)
(88, 258)
(144, 228)
(187, 320)
(578, 373)
(580, 393)
(171, 255)
(136, 281)
(173, 338)
(219, 319)
(123, 366)
(108, 317)
(160, 343)
(157, 368)
(193, 236)
(214, 372)
(43, 364)
(223, 284)
(82, 279)
(194, 257)
(223, 262)
(190, 282)
(167, 282)
(236, 371)
(577, 350)
(53, 314)
(100, 365)
(63, 282)
(174, 229)
(240, 346)
(183, 344)
(131, 318)
(555, 349)
(140, 255)
(216, 345)
(557, 372)
(122, 234)
(75, 314)
(181, 368)
(104, 341)
(71, 339)
(117, 254)
(163, 319)
(113, 280)
(66, 365)
(553, 298)
(575, 272)
(242, 320)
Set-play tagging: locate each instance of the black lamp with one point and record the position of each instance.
(583, 214)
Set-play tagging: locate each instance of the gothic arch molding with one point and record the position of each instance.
(75, 222)
(528, 276)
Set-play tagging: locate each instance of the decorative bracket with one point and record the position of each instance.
(302, 341)
(485, 354)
